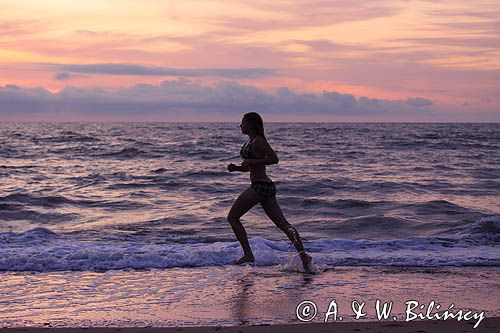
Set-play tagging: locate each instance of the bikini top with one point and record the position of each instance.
(246, 151)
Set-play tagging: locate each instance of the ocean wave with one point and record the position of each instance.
(130, 185)
(489, 225)
(22, 202)
(204, 174)
(351, 204)
(17, 166)
(31, 237)
(13, 212)
(437, 207)
(40, 249)
(377, 227)
(48, 201)
(66, 136)
(131, 152)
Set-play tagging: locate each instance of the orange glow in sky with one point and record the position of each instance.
(444, 51)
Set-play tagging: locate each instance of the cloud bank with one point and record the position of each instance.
(130, 69)
(176, 99)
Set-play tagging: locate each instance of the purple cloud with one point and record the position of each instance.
(171, 99)
(418, 102)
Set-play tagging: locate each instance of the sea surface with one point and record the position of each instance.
(95, 197)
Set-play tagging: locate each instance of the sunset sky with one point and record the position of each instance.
(305, 60)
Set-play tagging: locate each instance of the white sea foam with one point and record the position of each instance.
(40, 249)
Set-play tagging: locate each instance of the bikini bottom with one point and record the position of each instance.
(263, 188)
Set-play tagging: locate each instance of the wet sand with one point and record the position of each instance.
(488, 325)
(238, 297)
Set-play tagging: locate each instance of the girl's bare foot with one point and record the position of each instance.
(244, 259)
(306, 262)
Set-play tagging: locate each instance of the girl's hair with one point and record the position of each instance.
(256, 121)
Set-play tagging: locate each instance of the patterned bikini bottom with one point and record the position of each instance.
(263, 188)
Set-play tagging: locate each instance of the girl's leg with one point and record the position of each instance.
(273, 211)
(241, 205)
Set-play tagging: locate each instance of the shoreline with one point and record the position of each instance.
(489, 325)
(243, 296)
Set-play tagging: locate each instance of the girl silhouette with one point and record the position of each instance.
(256, 154)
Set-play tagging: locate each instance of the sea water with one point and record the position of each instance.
(108, 196)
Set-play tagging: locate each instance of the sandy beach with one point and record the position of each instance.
(250, 166)
(245, 298)
(488, 325)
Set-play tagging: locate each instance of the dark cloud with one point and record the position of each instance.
(130, 69)
(418, 102)
(65, 76)
(171, 98)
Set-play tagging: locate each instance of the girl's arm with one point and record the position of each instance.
(264, 149)
(242, 168)
(233, 167)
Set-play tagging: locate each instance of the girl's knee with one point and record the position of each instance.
(232, 219)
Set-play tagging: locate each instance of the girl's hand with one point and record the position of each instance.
(231, 167)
